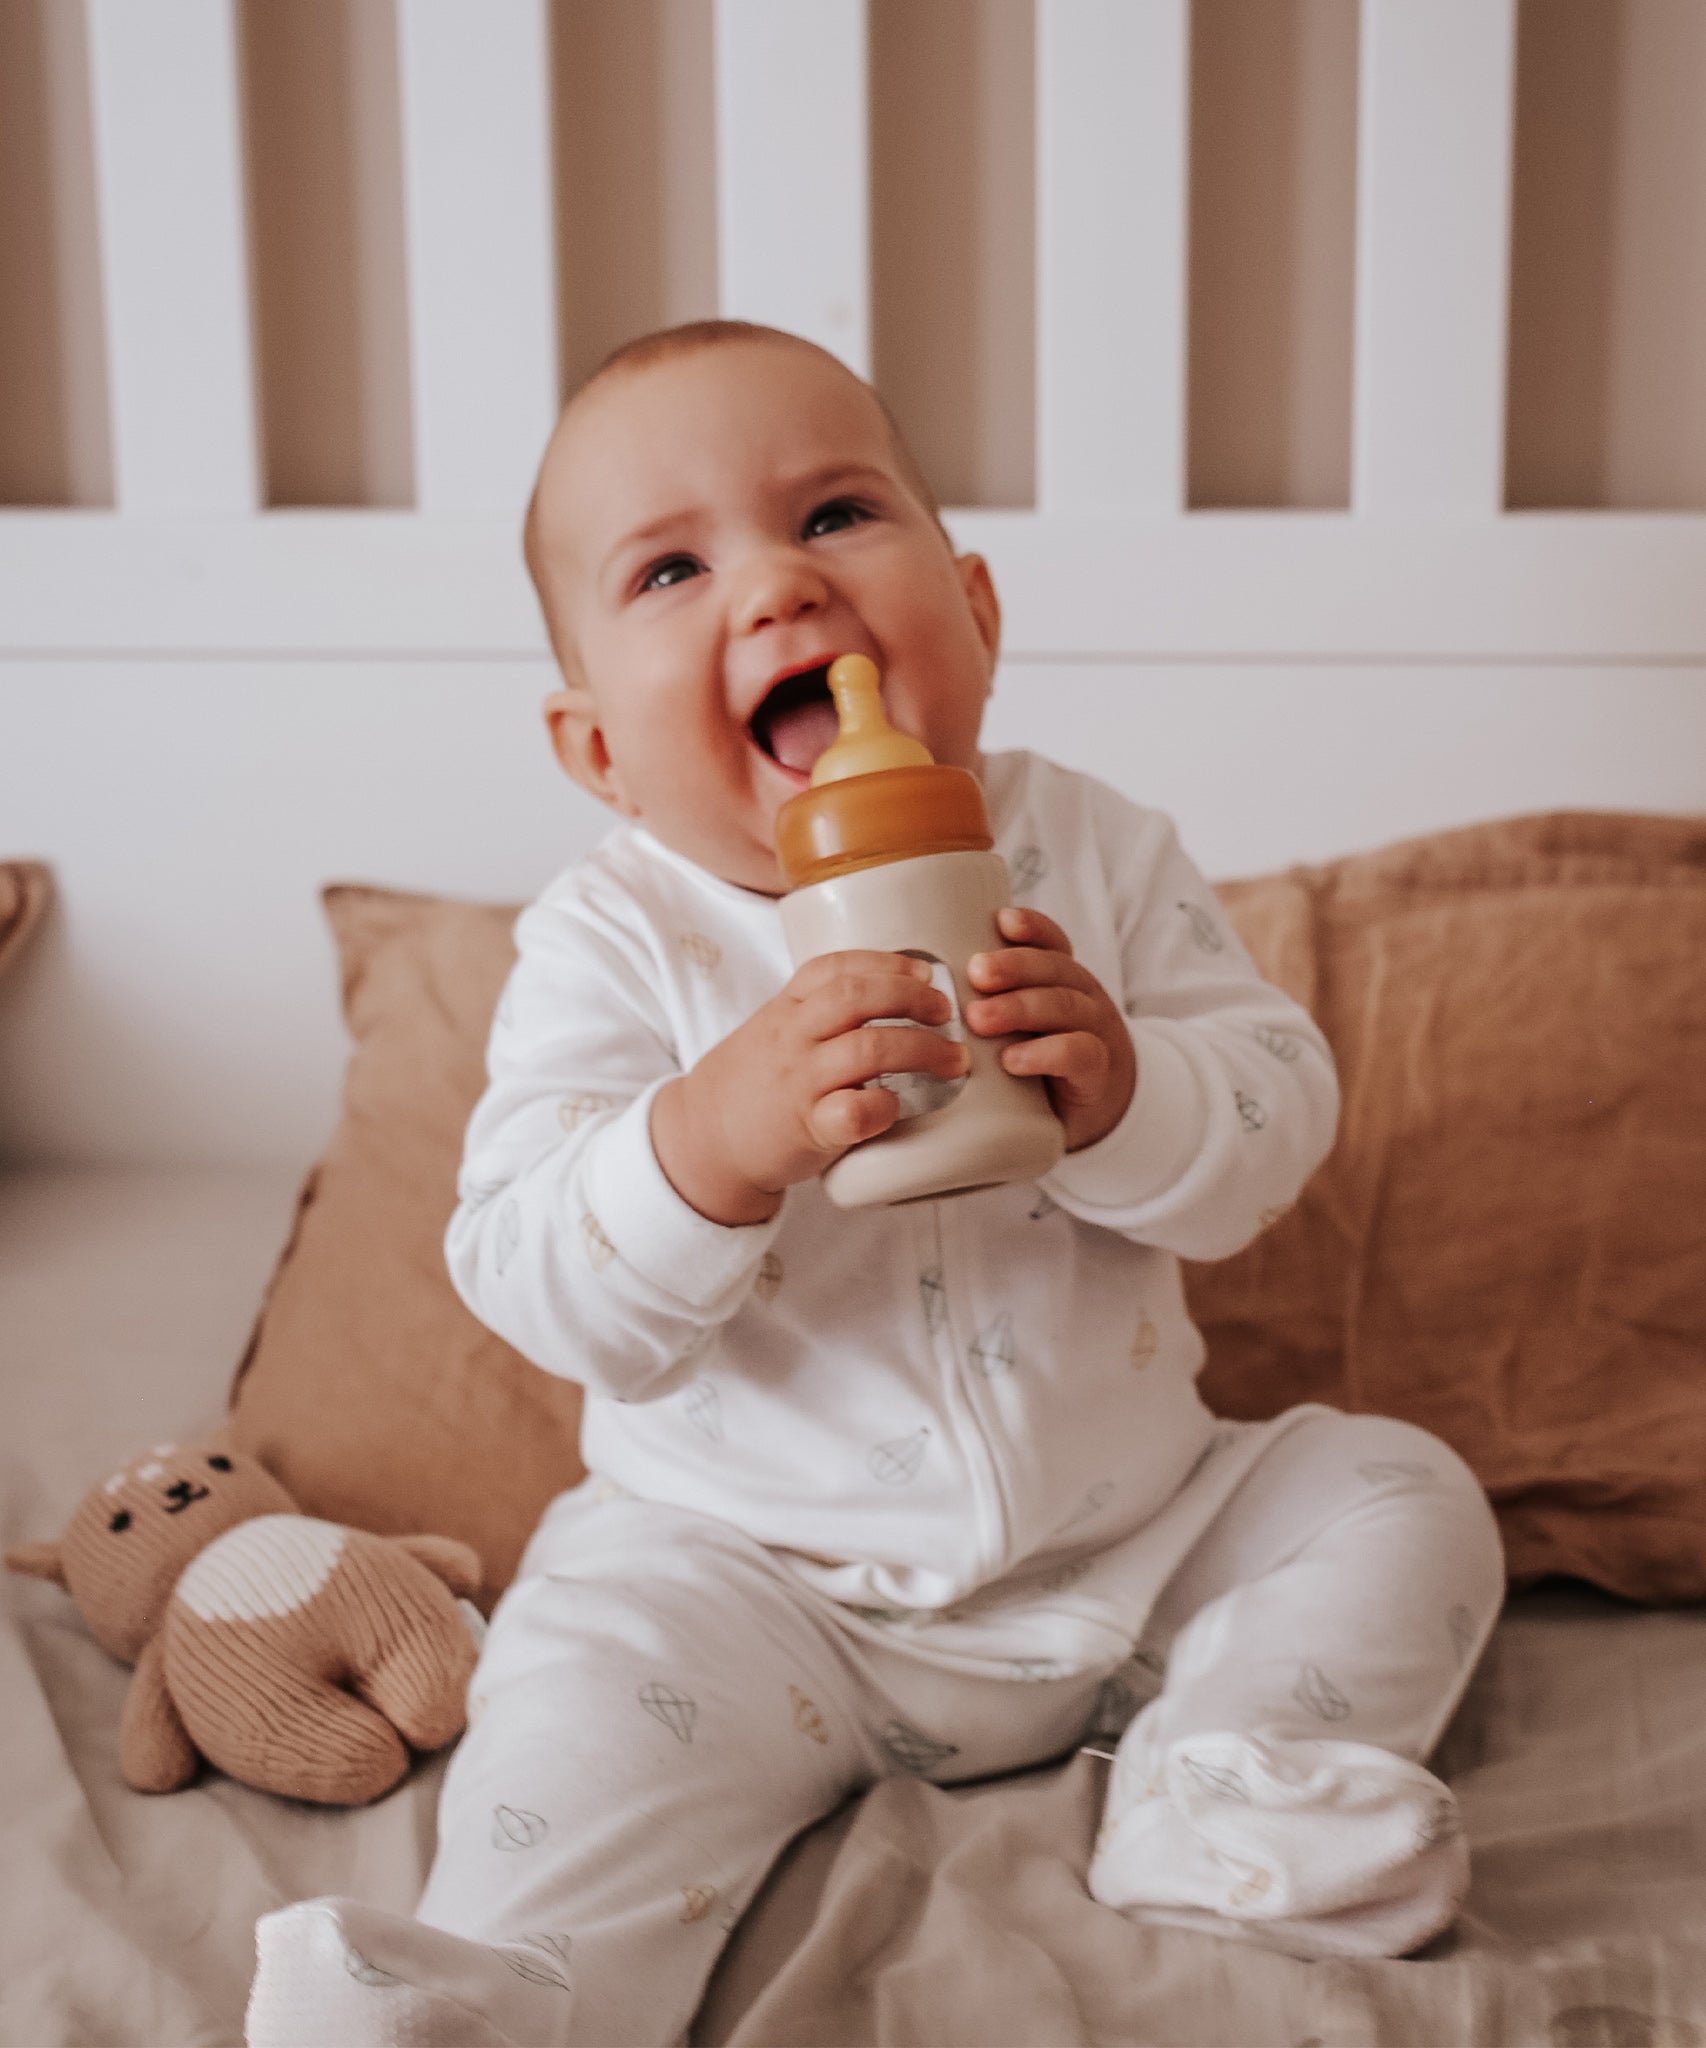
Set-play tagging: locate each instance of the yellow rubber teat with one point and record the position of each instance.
(866, 741)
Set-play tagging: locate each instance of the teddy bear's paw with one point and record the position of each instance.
(335, 1970)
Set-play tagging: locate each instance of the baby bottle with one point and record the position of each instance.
(889, 850)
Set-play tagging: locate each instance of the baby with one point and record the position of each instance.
(926, 1489)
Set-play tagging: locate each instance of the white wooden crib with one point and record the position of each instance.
(213, 705)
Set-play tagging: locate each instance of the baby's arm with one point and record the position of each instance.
(557, 1172)
(1236, 1100)
(614, 1211)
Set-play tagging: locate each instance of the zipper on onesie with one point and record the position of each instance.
(959, 1397)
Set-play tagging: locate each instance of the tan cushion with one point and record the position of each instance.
(25, 890)
(1508, 1244)
(1504, 1247)
(367, 1387)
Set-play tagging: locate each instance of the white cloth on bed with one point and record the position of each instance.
(661, 1705)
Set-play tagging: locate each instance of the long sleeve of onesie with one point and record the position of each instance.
(569, 1241)
(1236, 1101)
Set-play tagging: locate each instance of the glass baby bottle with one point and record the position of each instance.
(889, 850)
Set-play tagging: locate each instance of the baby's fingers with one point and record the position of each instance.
(878, 1049)
(849, 1000)
(851, 1115)
(1047, 1008)
(1029, 967)
(1078, 1060)
(825, 968)
(1031, 928)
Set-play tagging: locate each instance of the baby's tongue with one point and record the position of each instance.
(800, 732)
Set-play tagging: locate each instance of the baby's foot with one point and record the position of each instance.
(1315, 1848)
(330, 1970)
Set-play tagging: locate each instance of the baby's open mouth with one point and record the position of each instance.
(797, 719)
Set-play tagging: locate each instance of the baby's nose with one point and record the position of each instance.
(778, 589)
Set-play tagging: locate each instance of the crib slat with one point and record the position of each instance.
(163, 95)
(1435, 122)
(476, 121)
(793, 203)
(1113, 89)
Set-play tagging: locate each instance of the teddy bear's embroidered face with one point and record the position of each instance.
(132, 1535)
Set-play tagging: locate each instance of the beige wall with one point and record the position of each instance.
(1608, 297)
(53, 415)
(1608, 312)
(636, 172)
(326, 232)
(1273, 219)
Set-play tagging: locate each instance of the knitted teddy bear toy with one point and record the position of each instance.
(296, 1655)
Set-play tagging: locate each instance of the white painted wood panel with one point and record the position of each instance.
(184, 1006)
(793, 183)
(1113, 99)
(1211, 586)
(476, 123)
(1335, 587)
(174, 260)
(1435, 122)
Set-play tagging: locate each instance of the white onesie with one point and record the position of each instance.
(913, 1403)
(930, 1487)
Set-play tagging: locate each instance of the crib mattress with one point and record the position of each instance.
(916, 1915)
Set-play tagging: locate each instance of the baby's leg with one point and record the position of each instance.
(1319, 1637)
(655, 1714)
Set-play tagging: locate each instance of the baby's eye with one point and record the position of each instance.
(835, 517)
(671, 570)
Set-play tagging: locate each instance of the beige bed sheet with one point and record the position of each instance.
(941, 1919)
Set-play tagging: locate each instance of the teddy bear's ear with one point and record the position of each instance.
(38, 1561)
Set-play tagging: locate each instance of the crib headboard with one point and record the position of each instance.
(214, 705)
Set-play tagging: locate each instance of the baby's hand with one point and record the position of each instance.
(1081, 1043)
(783, 1096)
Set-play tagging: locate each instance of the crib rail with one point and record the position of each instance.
(476, 208)
(1110, 564)
(793, 173)
(1112, 95)
(1437, 93)
(174, 264)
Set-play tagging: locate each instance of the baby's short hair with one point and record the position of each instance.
(666, 343)
(693, 335)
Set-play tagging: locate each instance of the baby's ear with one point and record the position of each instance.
(578, 740)
(979, 587)
(37, 1561)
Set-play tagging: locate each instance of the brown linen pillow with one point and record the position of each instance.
(25, 891)
(367, 1387)
(1506, 1245)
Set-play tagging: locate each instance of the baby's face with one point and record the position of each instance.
(712, 531)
